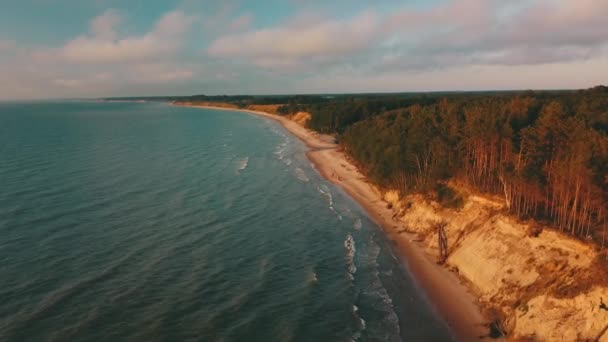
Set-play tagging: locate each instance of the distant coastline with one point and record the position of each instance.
(455, 303)
(501, 274)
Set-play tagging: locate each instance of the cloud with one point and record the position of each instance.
(512, 33)
(104, 26)
(345, 45)
(105, 60)
(295, 43)
(582, 74)
(95, 79)
(454, 13)
(160, 72)
(454, 33)
(101, 45)
(550, 23)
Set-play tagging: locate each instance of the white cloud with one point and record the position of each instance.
(160, 72)
(102, 61)
(102, 45)
(104, 26)
(173, 24)
(93, 80)
(293, 44)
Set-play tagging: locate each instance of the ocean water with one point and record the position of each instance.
(147, 222)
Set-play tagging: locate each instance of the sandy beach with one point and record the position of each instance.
(452, 299)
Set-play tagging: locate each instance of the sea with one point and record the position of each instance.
(124, 221)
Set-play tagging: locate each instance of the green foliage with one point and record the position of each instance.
(545, 152)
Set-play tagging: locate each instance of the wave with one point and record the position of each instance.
(360, 321)
(336, 212)
(301, 175)
(379, 293)
(184, 226)
(243, 165)
(311, 276)
(282, 147)
(58, 297)
(280, 152)
(349, 244)
(324, 190)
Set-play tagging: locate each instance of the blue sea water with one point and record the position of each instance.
(147, 222)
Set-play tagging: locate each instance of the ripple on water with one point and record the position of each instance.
(126, 222)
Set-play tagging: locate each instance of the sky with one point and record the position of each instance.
(102, 48)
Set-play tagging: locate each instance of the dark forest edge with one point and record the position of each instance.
(544, 152)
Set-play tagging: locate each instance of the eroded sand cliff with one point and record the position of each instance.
(543, 285)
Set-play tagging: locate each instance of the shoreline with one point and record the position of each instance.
(453, 301)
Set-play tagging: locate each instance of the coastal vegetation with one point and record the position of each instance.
(544, 152)
(548, 157)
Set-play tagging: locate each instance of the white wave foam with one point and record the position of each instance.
(360, 324)
(324, 190)
(282, 147)
(280, 151)
(335, 212)
(301, 175)
(361, 321)
(349, 244)
(243, 165)
(312, 277)
(377, 290)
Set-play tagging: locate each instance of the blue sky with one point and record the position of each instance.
(76, 48)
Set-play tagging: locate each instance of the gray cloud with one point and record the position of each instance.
(298, 42)
(458, 44)
(459, 32)
(536, 32)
